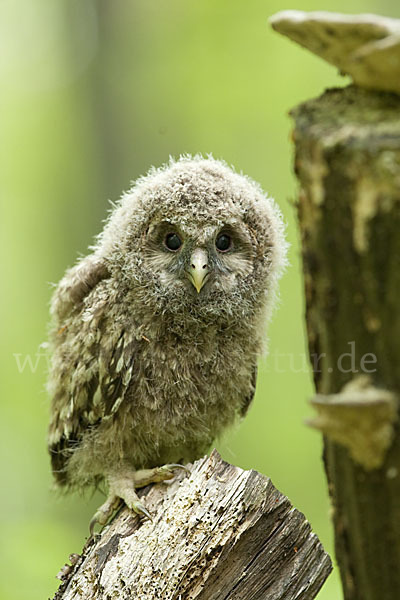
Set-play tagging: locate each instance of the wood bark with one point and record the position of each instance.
(347, 159)
(220, 533)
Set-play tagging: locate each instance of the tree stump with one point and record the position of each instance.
(348, 163)
(220, 533)
(347, 160)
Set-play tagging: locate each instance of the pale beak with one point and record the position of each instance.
(198, 268)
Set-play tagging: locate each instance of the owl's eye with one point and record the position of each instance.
(223, 242)
(173, 242)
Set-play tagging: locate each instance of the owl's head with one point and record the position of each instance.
(194, 237)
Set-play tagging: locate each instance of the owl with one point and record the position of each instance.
(156, 333)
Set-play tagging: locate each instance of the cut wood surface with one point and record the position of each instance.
(220, 533)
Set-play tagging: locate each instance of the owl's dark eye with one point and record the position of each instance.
(173, 242)
(223, 242)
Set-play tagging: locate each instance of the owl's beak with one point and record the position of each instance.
(198, 268)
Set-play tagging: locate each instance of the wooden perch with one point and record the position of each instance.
(220, 533)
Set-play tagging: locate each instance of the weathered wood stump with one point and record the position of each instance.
(347, 161)
(220, 533)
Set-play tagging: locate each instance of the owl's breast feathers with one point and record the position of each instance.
(141, 389)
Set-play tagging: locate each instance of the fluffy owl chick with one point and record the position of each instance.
(157, 332)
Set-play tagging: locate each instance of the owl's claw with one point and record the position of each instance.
(172, 467)
(104, 513)
(177, 466)
(140, 509)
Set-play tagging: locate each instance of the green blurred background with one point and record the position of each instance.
(92, 94)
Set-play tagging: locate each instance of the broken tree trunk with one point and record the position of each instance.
(348, 164)
(218, 534)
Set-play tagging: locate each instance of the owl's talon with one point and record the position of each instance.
(171, 467)
(141, 510)
(104, 513)
(92, 525)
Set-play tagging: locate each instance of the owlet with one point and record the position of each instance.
(156, 333)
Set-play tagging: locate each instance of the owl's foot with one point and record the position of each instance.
(122, 485)
(121, 490)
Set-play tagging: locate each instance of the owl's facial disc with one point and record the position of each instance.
(199, 268)
(209, 260)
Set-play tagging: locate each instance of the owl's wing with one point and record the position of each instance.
(92, 361)
(250, 395)
(75, 285)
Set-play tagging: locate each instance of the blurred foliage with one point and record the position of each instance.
(92, 94)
